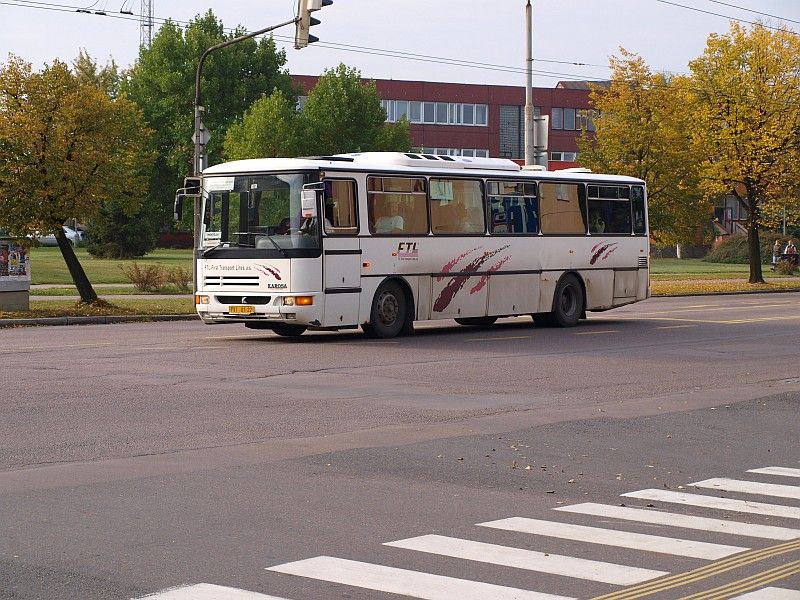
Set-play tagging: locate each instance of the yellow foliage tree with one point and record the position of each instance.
(746, 123)
(643, 131)
(66, 147)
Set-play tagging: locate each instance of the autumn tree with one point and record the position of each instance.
(342, 114)
(643, 130)
(66, 147)
(162, 83)
(746, 123)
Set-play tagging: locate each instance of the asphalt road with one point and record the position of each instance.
(140, 457)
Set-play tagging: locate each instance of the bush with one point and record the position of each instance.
(180, 278)
(147, 278)
(117, 235)
(734, 250)
(156, 278)
(785, 267)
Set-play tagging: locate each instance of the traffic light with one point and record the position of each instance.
(305, 21)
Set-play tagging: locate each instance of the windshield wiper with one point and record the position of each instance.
(208, 251)
(277, 246)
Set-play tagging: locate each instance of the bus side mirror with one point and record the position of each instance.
(308, 203)
(192, 186)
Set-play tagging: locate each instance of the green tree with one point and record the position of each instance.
(268, 128)
(342, 114)
(643, 131)
(107, 78)
(162, 83)
(746, 123)
(66, 147)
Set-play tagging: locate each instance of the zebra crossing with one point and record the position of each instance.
(632, 581)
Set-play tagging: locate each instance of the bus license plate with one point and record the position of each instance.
(242, 310)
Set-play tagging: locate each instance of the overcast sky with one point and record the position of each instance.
(489, 32)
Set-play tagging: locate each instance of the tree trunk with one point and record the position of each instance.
(79, 277)
(753, 244)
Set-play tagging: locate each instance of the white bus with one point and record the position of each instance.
(380, 240)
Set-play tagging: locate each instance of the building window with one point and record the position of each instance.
(584, 119)
(569, 118)
(415, 112)
(428, 112)
(564, 156)
(557, 118)
(468, 114)
(481, 114)
(400, 110)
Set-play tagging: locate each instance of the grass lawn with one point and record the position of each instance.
(47, 265)
(102, 291)
(68, 308)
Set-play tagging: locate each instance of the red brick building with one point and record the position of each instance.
(484, 120)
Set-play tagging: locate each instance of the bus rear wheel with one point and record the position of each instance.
(476, 321)
(389, 314)
(568, 303)
(285, 330)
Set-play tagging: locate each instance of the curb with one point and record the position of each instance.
(99, 320)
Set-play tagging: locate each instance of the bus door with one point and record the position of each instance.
(341, 251)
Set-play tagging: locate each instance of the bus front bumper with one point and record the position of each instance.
(298, 309)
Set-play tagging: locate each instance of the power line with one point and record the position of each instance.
(349, 47)
(715, 14)
(750, 10)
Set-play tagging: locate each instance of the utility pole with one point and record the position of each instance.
(529, 157)
(146, 24)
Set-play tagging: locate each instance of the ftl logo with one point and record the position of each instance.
(407, 251)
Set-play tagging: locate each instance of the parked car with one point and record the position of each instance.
(76, 237)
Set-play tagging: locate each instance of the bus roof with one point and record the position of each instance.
(400, 162)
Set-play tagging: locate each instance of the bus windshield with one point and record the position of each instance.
(257, 211)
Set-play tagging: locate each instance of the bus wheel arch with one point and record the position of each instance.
(569, 303)
(392, 310)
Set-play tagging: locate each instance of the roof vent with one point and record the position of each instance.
(574, 170)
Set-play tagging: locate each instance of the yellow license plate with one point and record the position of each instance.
(242, 310)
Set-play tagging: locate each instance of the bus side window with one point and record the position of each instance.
(339, 198)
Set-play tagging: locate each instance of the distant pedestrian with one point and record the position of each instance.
(790, 249)
(776, 253)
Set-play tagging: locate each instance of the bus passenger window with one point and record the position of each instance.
(396, 205)
(339, 199)
(514, 208)
(457, 206)
(562, 208)
(609, 210)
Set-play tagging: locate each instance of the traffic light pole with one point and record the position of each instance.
(201, 135)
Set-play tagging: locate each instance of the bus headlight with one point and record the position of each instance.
(198, 299)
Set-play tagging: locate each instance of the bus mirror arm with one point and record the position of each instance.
(178, 210)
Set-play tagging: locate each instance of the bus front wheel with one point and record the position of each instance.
(389, 314)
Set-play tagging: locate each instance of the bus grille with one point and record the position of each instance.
(642, 262)
(257, 300)
(231, 280)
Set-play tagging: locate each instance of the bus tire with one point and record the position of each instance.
(286, 330)
(476, 321)
(568, 302)
(389, 314)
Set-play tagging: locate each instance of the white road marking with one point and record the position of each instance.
(620, 539)
(642, 515)
(403, 581)
(208, 591)
(750, 487)
(770, 593)
(531, 560)
(743, 506)
(784, 471)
